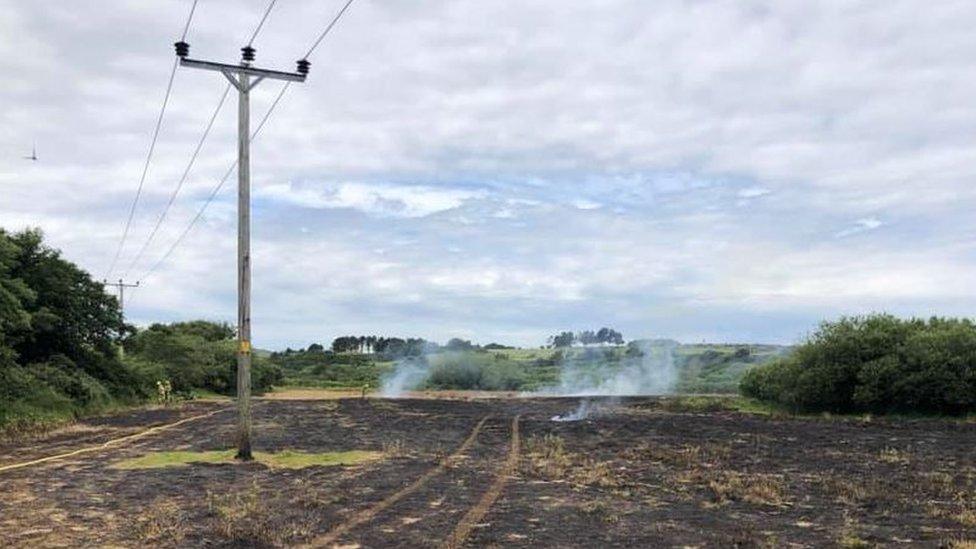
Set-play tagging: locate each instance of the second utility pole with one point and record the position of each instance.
(240, 77)
(121, 286)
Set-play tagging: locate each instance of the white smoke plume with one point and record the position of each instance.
(407, 374)
(647, 370)
(582, 412)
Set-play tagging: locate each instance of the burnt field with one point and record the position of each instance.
(644, 472)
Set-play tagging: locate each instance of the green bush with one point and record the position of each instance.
(328, 369)
(64, 377)
(195, 355)
(58, 336)
(467, 371)
(877, 363)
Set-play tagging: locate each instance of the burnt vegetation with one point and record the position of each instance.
(650, 472)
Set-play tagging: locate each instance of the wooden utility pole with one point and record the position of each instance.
(240, 77)
(121, 286)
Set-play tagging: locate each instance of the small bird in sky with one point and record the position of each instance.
(33, 155)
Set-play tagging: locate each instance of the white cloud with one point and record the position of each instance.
(584, 204)
(753, 192)
(568, 164)
(860, 226)
(378, 200)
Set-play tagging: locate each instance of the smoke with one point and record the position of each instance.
(648, 368)
(642, 368)
(407, 374)
(582, 412)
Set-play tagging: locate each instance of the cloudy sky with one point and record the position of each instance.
(723, 170)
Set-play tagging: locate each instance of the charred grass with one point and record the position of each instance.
(644, 474)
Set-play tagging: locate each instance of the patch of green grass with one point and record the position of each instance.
(753, 406)
(287, 459)
(299, 460)
(717, 403)
(157, 460)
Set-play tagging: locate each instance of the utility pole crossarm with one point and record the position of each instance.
(121, 286)
(227, 68)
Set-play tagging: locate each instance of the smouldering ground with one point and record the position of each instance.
(644, 473)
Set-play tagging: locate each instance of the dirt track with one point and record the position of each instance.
(637, 476)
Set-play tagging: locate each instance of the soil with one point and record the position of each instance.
(635, 473)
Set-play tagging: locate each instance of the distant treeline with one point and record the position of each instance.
(393, 347)
(603, 336)
(415, 346)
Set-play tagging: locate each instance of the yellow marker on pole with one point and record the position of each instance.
(245, 347)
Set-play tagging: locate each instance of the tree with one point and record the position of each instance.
(15, 295)
(609, 336)
(497, 346)
(59, 332)
(564, 339)
(458, 344)
(190, 356)
(586, 337)
(71, 315)
(876, 363)
(345, 344)
(315, 348)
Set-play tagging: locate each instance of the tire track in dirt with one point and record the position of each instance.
(478, 512)
(110, 443)
(369, 513)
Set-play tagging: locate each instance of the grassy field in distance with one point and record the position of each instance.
(701, 368)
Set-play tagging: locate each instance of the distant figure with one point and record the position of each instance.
(365, 390)
(33, 155)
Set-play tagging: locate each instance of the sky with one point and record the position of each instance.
(729, 171)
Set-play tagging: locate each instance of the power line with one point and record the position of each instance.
(196, 152)
(230, 170)
(145, 170)
(215, 190)
(328, 28)
(183, 178)
(186, 27)
(152, 148)
(261, 24)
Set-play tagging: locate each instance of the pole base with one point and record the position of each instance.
(244, 455)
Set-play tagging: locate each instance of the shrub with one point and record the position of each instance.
(26, 401)
(875, 363)
(194, 355)
(467, 371)
(64, 377)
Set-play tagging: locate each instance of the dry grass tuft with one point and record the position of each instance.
(966, 517)
(163, 521)
(850, 537)
(395, 449)
(595, 473)
(755, 489)
(601, 510)
(686, 456)
(242, 519)
(548, 458)
(961, 510)
(894, 456)
(961, 544)
(856, 492)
